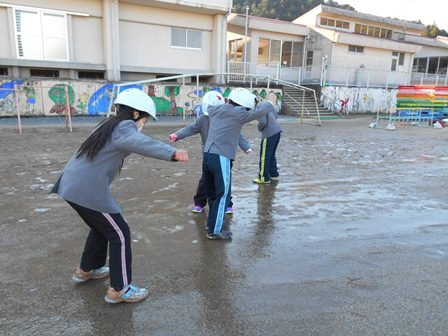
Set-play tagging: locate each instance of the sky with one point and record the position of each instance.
(428, 11)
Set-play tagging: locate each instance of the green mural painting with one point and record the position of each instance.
(161, 103)
(49, 97)
(58, 94)
(172, 92)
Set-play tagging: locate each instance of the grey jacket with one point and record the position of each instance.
(268, 125)
(226, 122)
(86, 182)
(201, 125)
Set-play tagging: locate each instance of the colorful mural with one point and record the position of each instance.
(423, 97)
(52, 97)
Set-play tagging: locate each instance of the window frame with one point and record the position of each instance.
(186, 30)
(309, 58)
(357, 49)
(373, 31)
(282, 57)
(42, 34)
(335, 23)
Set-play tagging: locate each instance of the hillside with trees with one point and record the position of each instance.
(289, 10)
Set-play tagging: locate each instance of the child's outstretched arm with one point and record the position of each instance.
(244, 144)
(189, 130)
(260, 110)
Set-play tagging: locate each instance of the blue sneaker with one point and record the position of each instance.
(131, 293)
(99, 273)
(197, 209)
(229, 211)
(224, 235)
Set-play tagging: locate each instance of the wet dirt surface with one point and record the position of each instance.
(353, 240)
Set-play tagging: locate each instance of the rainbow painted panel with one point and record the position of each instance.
(422, 96)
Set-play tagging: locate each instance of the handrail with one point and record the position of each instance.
(224, 74)
(297, 102)
(334, 104)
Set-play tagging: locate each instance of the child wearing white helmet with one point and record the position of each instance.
(201, 126)
(84, 184)
(270, 138)
(226, 122)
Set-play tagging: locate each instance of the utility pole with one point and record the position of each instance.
(245, 43)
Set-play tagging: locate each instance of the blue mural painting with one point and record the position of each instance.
(100, 100)
(7, 88)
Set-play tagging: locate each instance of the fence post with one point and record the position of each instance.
(197, 90)
(348, 74)
(111, 101)
(68, 117)
(19, 121)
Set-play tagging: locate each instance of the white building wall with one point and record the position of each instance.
(361, 100)
(146, 45)
(145, 38)
(5, 49)
(92, 7)
(87, 40)
(428, 51)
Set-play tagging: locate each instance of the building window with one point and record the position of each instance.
(443, 66)
(401, 59)
(44, 73)
(236, 50)
(309, 58)
(432, 65)
(288, 53)
(186, 38)
(292, 54)
(373, 31)
(4, 72)
(269, 51)
(297, 54)
(263, 51)
(334, 23)
(394, 64)
(275, 51)
(41, 35)
(397, 59)
(420, 64)
(356, 49)
(91, 74)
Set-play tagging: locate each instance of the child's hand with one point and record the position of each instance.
(172, 137)
(249, 151)
(180, 155)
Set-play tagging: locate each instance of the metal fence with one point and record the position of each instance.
(334, 75)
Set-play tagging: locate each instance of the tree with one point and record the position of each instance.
(434, 31)
(287, 10)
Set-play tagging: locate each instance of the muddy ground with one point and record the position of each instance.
(353, 240)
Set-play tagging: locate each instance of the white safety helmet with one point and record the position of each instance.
(211, 98)
(243, 97)
(138, 100)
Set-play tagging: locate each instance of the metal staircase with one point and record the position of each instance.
(299, 102)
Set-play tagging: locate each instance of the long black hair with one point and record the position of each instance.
(101, 135)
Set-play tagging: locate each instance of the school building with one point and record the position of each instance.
(341, 54)
(114, 40)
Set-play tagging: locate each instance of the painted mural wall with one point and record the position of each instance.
(52, 98)
(360, 100)
(423, 97)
